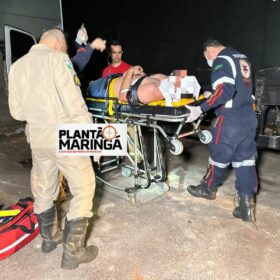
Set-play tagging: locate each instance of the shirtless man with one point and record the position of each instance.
(151, 88)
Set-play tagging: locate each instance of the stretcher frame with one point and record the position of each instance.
(149, 171)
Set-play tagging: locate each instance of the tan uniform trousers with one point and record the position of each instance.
(44, 182)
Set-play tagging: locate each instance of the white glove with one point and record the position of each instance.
(206, 94)
(195, 112)
(82, 36)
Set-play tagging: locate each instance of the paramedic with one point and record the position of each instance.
(117, 66)
(44, 91)
(233, 129)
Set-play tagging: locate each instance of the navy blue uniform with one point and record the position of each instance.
(234, 128)
(82, 57)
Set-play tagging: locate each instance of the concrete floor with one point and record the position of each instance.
(164, 236)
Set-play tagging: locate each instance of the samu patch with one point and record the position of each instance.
(218, 67)
(77, 80)
(69, 64)
(245, 68)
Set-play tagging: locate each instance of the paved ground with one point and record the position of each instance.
(164, 236)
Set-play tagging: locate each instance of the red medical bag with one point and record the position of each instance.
(17, 231)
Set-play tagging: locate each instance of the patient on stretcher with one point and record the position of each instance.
(136, 87)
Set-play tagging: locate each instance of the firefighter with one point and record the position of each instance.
(233, 129)
(44, 91)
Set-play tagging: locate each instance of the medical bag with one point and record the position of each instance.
(18, 227)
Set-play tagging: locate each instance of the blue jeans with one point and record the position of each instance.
(99, 88)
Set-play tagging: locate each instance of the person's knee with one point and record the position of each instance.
(90, 176)
(83, 179)
(221, 153)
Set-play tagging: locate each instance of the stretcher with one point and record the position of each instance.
(146, 166)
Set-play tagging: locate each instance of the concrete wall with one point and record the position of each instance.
(30, 15)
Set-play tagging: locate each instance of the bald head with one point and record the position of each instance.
(55, 39)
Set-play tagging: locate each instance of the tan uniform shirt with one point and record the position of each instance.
(44, 91)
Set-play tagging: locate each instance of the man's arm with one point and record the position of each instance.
(127, 80)
(83, 55)
(223, 83)
(15, 102)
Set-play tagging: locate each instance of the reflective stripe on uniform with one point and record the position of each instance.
(223, 80)
(218, 164)
(239, 55)
(248, 162)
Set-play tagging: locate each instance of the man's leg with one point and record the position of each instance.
(81, 179)
(45, 190)
(221, 150)
(246, 178)
(210, 182)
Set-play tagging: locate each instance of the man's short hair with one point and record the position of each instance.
(116, 43)
(212, 42)
(56, 33)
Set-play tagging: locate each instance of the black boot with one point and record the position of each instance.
(246, 208)
(74, 250)
(202, 190)
(49, 230)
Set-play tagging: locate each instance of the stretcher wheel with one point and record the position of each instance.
(164, 187)
(126, 172)
(205, 137)
(177, 147)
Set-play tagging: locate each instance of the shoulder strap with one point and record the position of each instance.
(132, 96)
